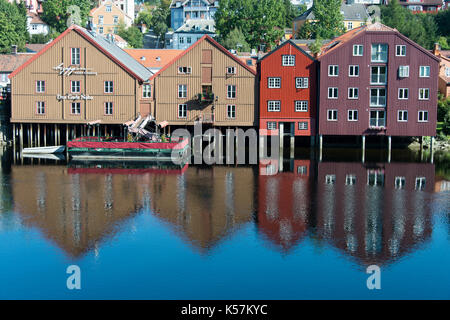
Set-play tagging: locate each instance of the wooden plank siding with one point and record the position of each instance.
(126, 98)
(200, 58)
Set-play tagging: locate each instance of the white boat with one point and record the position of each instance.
(44, 150)
(46, 156)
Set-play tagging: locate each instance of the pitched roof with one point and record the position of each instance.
(35, 19)
(293, 44)
(214, 43)
(355, 11)
(10, 62)
(34, 47)
(197, 25)
(153, 58)
(422, 3)
(174, 2)
(111, 50)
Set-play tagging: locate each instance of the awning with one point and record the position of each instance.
(162, 124)
(94, 122)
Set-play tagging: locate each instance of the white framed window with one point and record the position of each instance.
(40, 107)
(182, 91)
(182, 111)
(274, 82)
(75, 108)
(378, 75)
(109, 86)
(108, 8)
(402, 116)
(333, 70)
(420, 183)
(40, 86)
(100, 19)
(423, 116)
(424, 71)
(403, 93)
(447, 71)
(146, 90)
(350, 180)
(400, 50)
(330, 179)
(231, 111)
(353, 71)
(34, 26)
(288, 60)
(303, 125)
(403, 71)
(271, 125)
(115, 19)
(352, 115)
(353, 93)
(108, 108)
(184, 70)
(332, 114)
(332, 93)
(75, 86)
(181, 40)
(273, 105)
(75, 56)
(424, 94)
(301, 83)
(400, 183)
(377, 118)
(378, 97)
(358, 50)
(379, 52)
(349, 25)
(303, 170)
(100, 30)
(375, 178)
(231, 91)
(301, 106)
(231, 70)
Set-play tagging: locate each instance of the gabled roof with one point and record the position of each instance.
(10, 62)
(183, 2)
(285, 43)
(197, 26)
(111, 50)
(355, 12)
(153, 58)
(421, 3)
(214, 43)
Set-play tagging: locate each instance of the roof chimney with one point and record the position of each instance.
(14, 49)
(436, 49)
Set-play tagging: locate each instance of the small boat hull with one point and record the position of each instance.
(44, 150)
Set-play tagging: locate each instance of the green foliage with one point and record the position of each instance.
(443, 21)
(160, 19)
(315, 46)
(132, 35)
(236, 40)
(443, 114)
(261, 21)
(292, 12)
(40, 38)
(13, 26)
(443, 42)
(57, 13)
(144, 17)
(329, 21)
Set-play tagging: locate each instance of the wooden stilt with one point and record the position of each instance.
(45, 135)
(39, 135)
(389, 148)
(14, 139)
(363, 149)
(67, 132)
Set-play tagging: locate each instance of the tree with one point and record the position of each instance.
(13, 26)
(328, 21)
(236, 40)
(58, 12)
(160, 20)
(132, 35)
(292, 12)
(316, 46)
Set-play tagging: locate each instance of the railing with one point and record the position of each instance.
(205, 118)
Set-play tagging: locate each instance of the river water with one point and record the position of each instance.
(157, 231)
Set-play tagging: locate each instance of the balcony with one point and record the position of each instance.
(205, 118)
(207, 95)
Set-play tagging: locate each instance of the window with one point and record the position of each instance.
(40, 107)
(231, 70)
(75, 56)
(100, 30)
(182, 91)
(330, 179)
(358, 50)
(100, 19)
(184, 70)
(303, 125)
(375, 178)
(271, 125)
(447, 71)
(333, 70)
(353, 71)
(332, 115)
(182, 110)
(420, 183)
(231, 111)
(353, 93)
(379, 52)
(403, 71)
(273, 105)
(423, 116)
(34, 26)
(108, 108)
(75, 108)
(378, 75)
(377, 97)
(400, 183)
(4, 77)
(231, 92)
(403, 93)
(274, 82)
(108, 8)
(352, 115)
(40, 86)
(109, 86)
(301, 106)
(75, 86)
(402, 116)
(188, 39)
(349, 25)
(350, 180)
(377, 118)
(116, 19)
(146, 90)
(332, 93)
(301, 83)
(424, 71)
(424, 94)
(303, 170)
(400, 50)
(288, 60)
(181, 40)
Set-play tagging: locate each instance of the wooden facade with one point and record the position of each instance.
(205, 71)
(287, 92)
